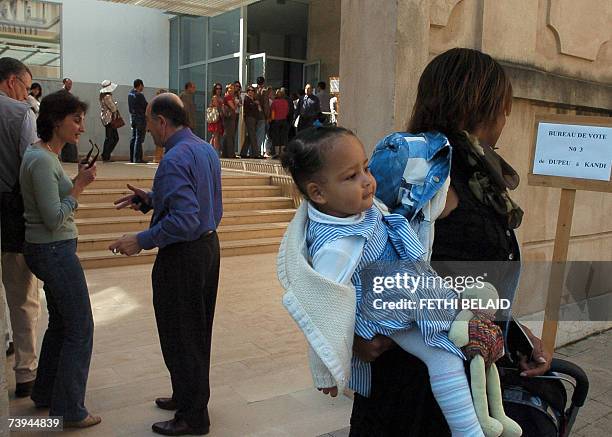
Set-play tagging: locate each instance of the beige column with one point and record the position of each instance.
(384, 46)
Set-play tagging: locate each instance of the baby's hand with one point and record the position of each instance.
(332, 391)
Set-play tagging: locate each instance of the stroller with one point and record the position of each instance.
(539, 404)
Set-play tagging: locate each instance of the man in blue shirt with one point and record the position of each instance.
(187, 208)
(137, 104)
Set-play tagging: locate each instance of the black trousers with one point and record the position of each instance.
(250, 146)
(185, 278)
(305, 122)
(279, 132)
(401, 403)
(138, 136)
(229, 137)
(111, 140)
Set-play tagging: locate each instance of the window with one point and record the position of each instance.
(31, 32)
(224, 34)
(192, 37)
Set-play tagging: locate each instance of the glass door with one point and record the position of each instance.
(256, 66)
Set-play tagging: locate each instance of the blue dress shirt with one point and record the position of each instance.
(186, 195)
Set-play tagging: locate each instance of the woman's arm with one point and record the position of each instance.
(540, 358)
(45, 182)
(108, 101)
(369, 350)
(452, 202)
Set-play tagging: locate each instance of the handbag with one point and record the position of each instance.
(117, 121)
(12, 222)
(212, 114)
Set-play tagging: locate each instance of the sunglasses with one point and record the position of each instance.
(88, 160)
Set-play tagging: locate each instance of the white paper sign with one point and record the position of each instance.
(575, 151)
(334, 85)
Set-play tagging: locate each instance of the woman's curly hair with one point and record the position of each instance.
(304, 156)
(53, 109)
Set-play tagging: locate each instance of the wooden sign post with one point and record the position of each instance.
(572, 153)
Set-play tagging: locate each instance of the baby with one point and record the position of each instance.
(345, 233)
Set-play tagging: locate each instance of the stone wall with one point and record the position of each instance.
(558, 54)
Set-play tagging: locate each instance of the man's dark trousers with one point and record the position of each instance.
(185, 278)
(138, 135)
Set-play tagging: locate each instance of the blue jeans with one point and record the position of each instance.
(261, 136)
(63, 365)
(138, 136)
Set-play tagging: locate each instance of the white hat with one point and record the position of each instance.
(107, 86)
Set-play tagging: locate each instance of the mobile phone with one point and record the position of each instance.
(137, 200)
(517, 342)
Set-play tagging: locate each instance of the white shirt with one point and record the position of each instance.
(338, 259)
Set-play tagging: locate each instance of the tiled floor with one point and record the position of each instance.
(260, 381)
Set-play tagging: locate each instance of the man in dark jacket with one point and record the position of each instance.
(308, 109)
(137, 104)
(69, 152)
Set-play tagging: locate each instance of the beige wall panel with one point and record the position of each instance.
(324, 36)
(582, 26)
(367, 61)
(462, 28)
(582, 248)
(549, 56)
(509, 29)
(412, 55)
(379, 68)
(583, 281)
(440, 11)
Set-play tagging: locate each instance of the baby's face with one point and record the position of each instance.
(348, 186)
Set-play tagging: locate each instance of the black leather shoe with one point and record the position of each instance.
(24, 389)
(166, 404)
(177, 427)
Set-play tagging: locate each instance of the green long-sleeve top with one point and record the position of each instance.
(49, 207)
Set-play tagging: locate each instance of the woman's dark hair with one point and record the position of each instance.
(459, 90)
(305, 154)
(36, 86)
(53, 109)
(102, 95)
(214, 88)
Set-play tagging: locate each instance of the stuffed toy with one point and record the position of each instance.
(482, 343)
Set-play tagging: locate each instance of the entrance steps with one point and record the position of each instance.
(255, 217)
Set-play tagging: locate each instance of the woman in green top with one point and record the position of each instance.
(50, 199)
